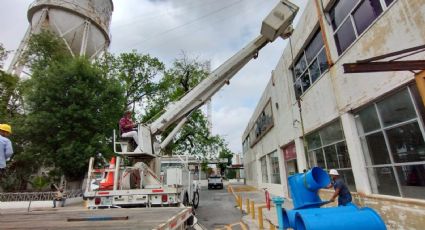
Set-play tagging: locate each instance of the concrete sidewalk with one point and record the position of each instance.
(269, 217)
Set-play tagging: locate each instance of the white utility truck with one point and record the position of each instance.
(133, 178)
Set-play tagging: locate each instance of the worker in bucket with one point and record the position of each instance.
(6, 149)
(127, 127)
(341, 189)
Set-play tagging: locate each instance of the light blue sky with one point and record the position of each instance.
(204, 29)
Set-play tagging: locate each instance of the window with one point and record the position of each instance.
(245, 145)
(326, 148)
(264, 173)
(350, 19)
(310, 65)
(274, 161)
(391, 133)
(263, 124)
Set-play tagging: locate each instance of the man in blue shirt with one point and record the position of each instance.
(341, 189)
(6, 149)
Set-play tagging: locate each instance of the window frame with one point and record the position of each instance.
(272, 167)
(384, 7)
(383, 130)
(333, 144)
(302, 55)
(264, 175)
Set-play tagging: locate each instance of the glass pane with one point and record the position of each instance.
(383, 181)
(331, 133)
(305, 81)
(275, 168)
(314, 71)
(407, 143)
(375, 149)
(313, 48)
(367, 120)
(347, 176)
(418, 101)
(311, 159)
(345, 36)
(388, 2)
(323, 62)
(412, 180)
(366, 13)
(300, 66)
(298, 88)
(265, 176)
(320, 160)
(343, 157)
(340, 10)
(313, 141)
(396, 109)
(331, 158)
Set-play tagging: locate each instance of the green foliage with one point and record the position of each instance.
(9, 95)
(3, 54)
(72, 108)
(231, 173)
(43, 50)
(204, 166)
(136, 72)
(39, 183)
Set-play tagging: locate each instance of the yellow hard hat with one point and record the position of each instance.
(6, 128)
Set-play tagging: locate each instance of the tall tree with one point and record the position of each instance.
(72, 106)
(136, 72)
(21, 165)
(3, 54)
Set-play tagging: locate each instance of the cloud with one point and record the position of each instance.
(211, 30)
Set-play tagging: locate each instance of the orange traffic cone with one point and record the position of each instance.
(108, 182)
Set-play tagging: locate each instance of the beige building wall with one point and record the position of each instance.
(334, 96)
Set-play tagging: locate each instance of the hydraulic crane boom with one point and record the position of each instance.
(277, 24)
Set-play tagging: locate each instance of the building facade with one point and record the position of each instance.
(368, 126)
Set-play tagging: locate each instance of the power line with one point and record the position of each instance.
(189, 22)
(201, 28)
(154, 14)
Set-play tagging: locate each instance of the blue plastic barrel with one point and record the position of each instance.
(304, 187)
(288, 216)
(364, 219)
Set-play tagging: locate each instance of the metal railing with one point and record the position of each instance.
(36, 196)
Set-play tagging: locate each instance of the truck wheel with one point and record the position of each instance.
(195, 200)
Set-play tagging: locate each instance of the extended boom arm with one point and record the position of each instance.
(277, 23)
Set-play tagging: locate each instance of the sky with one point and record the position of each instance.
(205, 30)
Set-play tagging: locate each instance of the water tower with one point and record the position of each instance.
(83, 25)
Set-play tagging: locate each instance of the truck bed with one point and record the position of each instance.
(117, 218)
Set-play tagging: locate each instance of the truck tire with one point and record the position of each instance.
(195, 200)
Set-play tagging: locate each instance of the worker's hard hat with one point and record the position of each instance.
(6, 128)
(333, 172)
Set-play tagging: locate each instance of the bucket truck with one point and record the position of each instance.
(140, 183)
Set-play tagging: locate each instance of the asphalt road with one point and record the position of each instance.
(217, 209)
